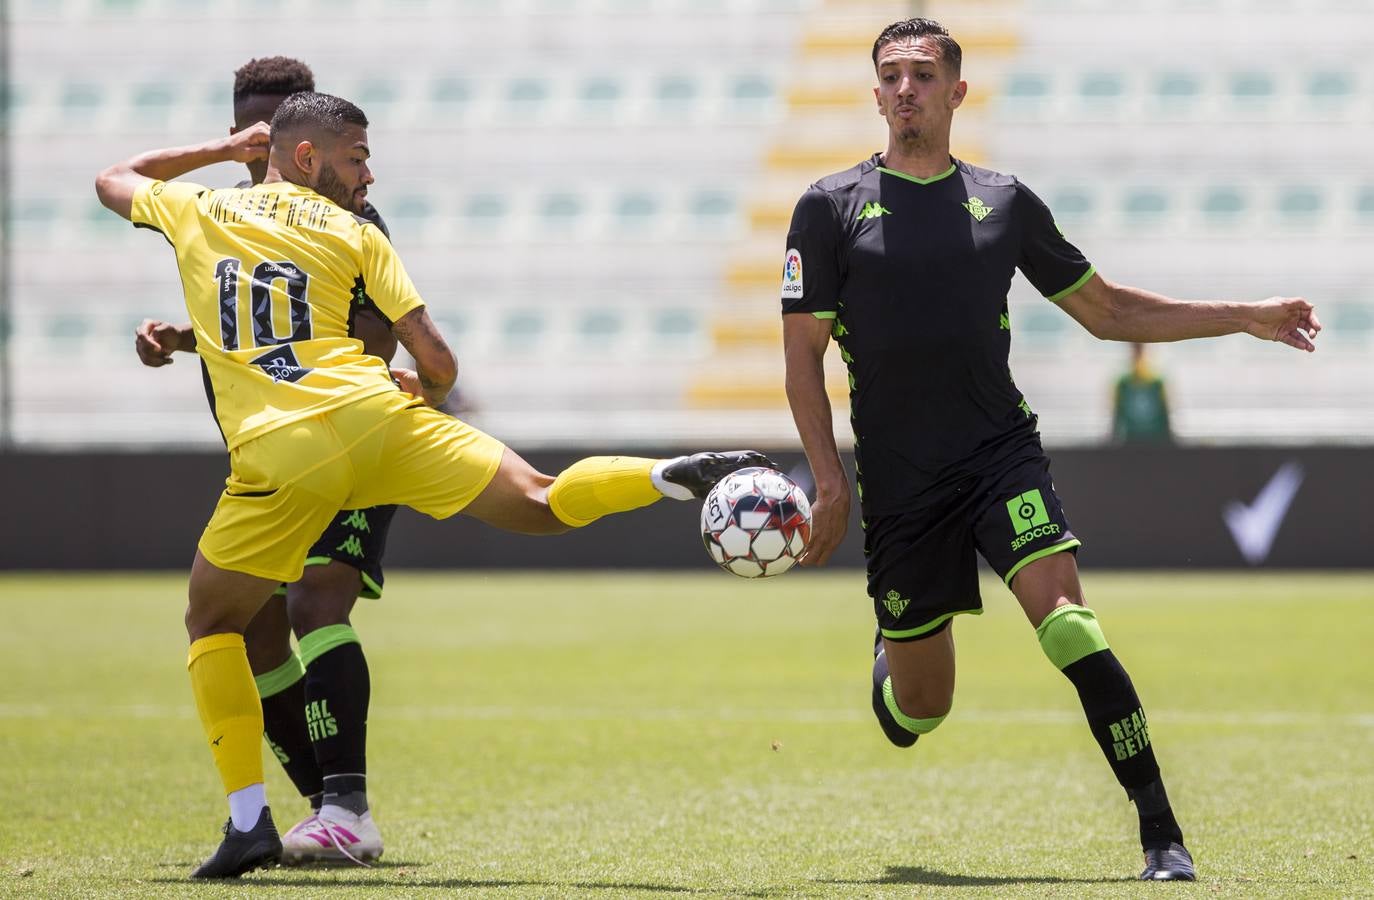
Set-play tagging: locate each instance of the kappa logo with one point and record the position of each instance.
(281, 364)
(352, 546)
(357, 521)
(976, 209)
(872, 211)
(896, 603)
(792, 275)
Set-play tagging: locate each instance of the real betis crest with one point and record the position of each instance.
(896, 603)
(976, 208)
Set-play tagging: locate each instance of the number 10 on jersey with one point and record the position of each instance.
(263, 298)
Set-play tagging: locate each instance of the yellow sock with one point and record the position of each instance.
(230, 711)
(600, 485)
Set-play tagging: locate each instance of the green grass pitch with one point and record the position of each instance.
(663, 734)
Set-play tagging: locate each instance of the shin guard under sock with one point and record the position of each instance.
(600, 485)
(337, 693)
(230, 712)
(283, 715)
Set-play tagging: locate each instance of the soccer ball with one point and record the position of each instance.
(755, 523)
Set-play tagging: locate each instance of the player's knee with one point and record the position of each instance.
(922, 701)
(324, 596)
(1069, 633)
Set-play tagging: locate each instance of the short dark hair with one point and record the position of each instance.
(316, 111)
(911, 29)
(273, 75)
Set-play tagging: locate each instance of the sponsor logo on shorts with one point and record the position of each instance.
(792, 275)
(1030, 518)
(896, 603)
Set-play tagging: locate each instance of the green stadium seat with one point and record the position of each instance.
(751, 90)
(711, 205)
(1145, 204)
(66, 327)
(485, 208)
(450, 92)
(635, 210)
(675, 324)
(152, 102)
(675, 93)
(1223, 204)
(376, 94)
(1299, 203)
(119, 7)
(527, 92)
(1252, 90)
(560, 208)
(522, 327)
(1330, 85)
(1178, 86)
(1027, 86)
(80, 100)
(1101, 86)
(1364, 204)
(413, 207)
(600, 325)
(1072, 204)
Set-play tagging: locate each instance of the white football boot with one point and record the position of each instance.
(333, 835)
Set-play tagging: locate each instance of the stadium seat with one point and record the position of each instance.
(561, 209)
(450, 96)
(526, 95)
(485, 209)
(1145, 205)
(712, 205)
(1299, 204)
(675, 94)
(1252, 91)
(522, 329)
(600, 325)
(750, 93)
(1102, 92)
(600, 96)
(636, 211)
(1177, 92)
(153, 102)
(1222, 205)
(415, 208)
(1364, 204)
(1072, 204)
(80, 102)
(675, 324)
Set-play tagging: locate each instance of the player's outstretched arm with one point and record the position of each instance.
(804, 339)
(156, 341)
(116, 185)
(1115, 312)
(436, 368)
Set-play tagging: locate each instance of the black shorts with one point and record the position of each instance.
(921, 564)
(357, 538)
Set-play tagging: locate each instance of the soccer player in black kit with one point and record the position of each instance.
(906, 260)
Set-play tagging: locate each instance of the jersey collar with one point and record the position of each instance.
(931, 180)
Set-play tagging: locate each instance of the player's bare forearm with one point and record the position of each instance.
(116, 185)
(1121, 313)
(436, 369)
(804, 342)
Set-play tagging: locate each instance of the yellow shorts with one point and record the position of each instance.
(285, 486)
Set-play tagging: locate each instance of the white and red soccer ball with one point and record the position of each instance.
(755, 523)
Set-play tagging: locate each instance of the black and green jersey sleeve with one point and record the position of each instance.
(813, 266)
(1053, 266)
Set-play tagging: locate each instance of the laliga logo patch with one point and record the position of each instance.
(792, 275)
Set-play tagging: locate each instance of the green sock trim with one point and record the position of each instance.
(915, 726)
(320, 641)
(1070, 633)
(280, 678)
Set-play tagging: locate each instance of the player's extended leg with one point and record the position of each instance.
(222, 603)
(913, 684)
(280, 679)
(338, 690)
(1052, 597)
(520, 498)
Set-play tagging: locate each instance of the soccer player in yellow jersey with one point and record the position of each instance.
(313, 425)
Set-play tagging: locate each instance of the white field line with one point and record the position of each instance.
(457, 712)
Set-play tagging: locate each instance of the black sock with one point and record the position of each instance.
(283, 719)
(337, 691)
(1117, 721)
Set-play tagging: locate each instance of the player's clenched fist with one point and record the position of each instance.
(155, 342)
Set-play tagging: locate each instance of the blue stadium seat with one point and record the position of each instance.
(415, 208)
(521, 329)
(527, 92)
(485, 208)
(1072, 204)
(1330, 85)
(600, 96)
(560, 208)
(80, 101)
(635, 210)
(750, 92)
(1145, 205)
(712, 205)
(1252, 91)
(451, 95)
(600, 325)
(675, 324)
(152, 102)
(674, 93)
(1364, 204)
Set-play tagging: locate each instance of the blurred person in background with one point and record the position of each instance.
(1140, 405)
(906, 260)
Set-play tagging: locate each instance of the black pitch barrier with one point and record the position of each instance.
(1146, 507)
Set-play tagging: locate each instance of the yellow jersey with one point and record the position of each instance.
(273, 275)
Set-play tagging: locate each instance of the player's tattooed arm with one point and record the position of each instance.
(1114, 312)
(116, 185)
(156, 341)
(436, 369)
